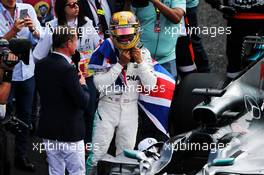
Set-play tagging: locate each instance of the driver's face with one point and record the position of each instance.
(125, 38)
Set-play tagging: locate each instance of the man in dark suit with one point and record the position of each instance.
(63, 97)
(100, 12)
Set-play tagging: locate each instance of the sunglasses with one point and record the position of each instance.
(72, 5)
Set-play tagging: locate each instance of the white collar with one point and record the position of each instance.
(65, 56)
(73, 23)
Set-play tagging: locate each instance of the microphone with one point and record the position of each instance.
(76, 59)
(19, 45)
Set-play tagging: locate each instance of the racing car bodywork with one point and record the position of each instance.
(233, 116)
(248, 155)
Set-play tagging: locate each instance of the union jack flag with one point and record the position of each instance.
(157, 104)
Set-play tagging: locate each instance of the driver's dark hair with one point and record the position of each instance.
(61, 35)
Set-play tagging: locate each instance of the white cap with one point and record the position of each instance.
(147, 143)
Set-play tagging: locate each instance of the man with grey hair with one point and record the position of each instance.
(63, 96)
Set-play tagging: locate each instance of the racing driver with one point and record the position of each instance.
(123, 69)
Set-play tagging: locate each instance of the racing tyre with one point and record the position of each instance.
(181, 119)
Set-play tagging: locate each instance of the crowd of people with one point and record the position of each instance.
(87, 54)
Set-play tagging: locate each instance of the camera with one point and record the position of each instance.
(13, 124)
(140, 3)
(18, 46)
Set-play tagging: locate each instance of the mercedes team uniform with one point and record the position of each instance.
(117, 109)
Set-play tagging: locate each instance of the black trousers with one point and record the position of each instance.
(89, 113)
(23, 92)
(183, 49)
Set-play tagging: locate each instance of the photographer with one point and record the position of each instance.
(20, 20)
(6, 69)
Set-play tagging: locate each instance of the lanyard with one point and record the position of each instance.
(157, 27)
(102, 24)
(97, 11)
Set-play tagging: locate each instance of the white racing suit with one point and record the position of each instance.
(117, 109)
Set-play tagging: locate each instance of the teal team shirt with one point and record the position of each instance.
(161, 45)
(192, 3)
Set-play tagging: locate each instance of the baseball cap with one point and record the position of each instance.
(148, 143)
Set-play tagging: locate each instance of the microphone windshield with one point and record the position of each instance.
(20, 46)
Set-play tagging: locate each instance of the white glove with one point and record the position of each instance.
(2, 111)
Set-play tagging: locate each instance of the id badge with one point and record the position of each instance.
(157, 28)
(100, 12)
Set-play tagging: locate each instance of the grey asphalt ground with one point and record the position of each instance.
(215, 47)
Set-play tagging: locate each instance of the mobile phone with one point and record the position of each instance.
(23, 13)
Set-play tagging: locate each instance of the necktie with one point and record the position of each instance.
(102, 21)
